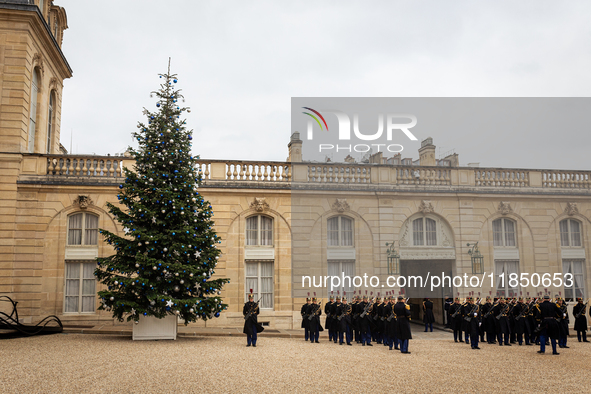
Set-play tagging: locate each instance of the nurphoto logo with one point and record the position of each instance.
(344, 130)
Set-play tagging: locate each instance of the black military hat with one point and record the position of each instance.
(400, 298)
(308, 299)
(314, 299)
(546, 297)
(579, 298)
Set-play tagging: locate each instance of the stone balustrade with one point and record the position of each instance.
(74, 168)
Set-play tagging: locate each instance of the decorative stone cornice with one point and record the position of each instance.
(505, 208)
(259, 204)
(341, 205)
(426, 207)
(38, 62)
(83, 201)
(571, 208)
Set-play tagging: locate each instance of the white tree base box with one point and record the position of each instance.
(151, 328)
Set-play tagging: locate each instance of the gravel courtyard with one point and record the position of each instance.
(82, 363)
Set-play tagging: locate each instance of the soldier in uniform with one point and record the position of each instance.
(365, 322)
(473, 319)
(456, 319)
(465, 312)
(502, 322)
(334, 323)
(355, 319)
(403, 333)
(251, 324)
(428, 317)
(447, 305)
(519, 311)
(344, 322)
(547, 313)
(328, 322)
(580, 314)
(376, 316)
(305, 321)
(314, 318)
(563, 324)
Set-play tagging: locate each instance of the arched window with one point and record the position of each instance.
(570, 233)
(33, 110)
(424, 232)
(82, 229)
(259, 231)
(50, 120)
(504, 233)
(340, 231)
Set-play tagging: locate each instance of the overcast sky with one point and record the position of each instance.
(240, 62)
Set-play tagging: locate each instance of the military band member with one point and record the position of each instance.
(519, 313)
(548, 313)
(562, 323)
(344, 322)
(328, 322)
(428, 317)
(389, 323)
(455, 311)
(580, 314)
(251, 324)
(465, 312)
(334, 325)
(447, 305)
(355, 319)
(365, 321)
(314, 318)
(305, 322)
(502, 327)
(377, 322)
(403, 333)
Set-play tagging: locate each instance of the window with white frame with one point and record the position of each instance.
(576, 268)
(80, 291)
(504, 233)
(50, 121)
(259, 231)
(424, 232)
(345, 268)
(82, 229)
(259, 279)
(340, 231)
(504, 268)
(570, 233)
(33, 110)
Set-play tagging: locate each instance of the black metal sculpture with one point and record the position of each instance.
(13, 328)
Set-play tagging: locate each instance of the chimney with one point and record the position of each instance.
(427, 153)
(295, 148)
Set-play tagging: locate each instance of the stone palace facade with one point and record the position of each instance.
(53, 203)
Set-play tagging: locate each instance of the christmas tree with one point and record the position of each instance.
(164, 263)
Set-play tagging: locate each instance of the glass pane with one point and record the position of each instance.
(88, 270)
(509, 233)
(575, 233)
(72, 287)
(417, 232)
(267, 285)
(88, 287)
(266, 231)
(91, 237)
(431, 232)
(91, 222)
(334, 268)
(499, 270)
(333, 232)
(347, 232)
(251, 230)
(72, 270)
(75, 221)
(349, 270)
(75, 229)
(497, 233)
(267, 301)
(266, 270)
(251, 269)
(87, 304)
(74, 237)
(71, 304)
(564, 241)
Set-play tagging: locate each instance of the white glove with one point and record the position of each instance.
(476, 314)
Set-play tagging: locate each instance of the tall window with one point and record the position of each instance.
(570, 233)
(504, 233)
(506, 267)
(340, 231)
(80, 287)
(259, 231)
(259, 278)
(574, 267)
(82, 229)
(424, 232)
(41, 6)
(50, 121)
(33, 110)
(338, 268)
